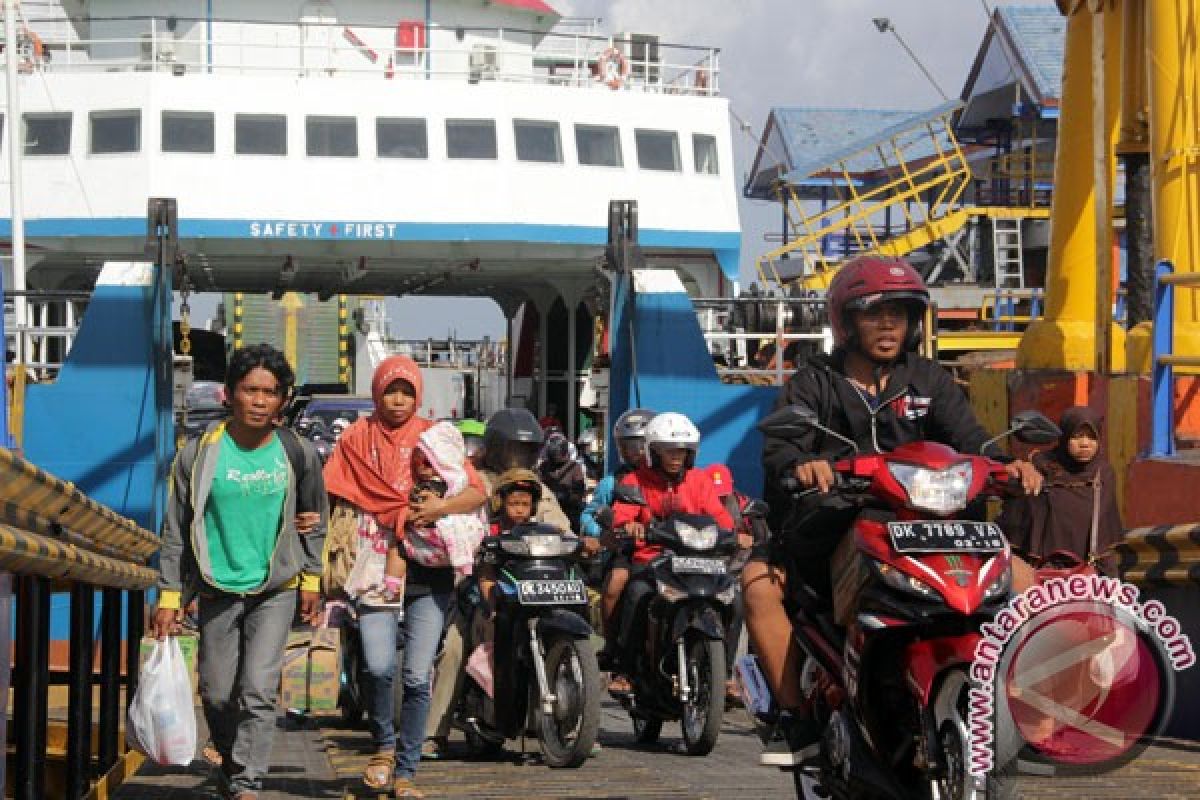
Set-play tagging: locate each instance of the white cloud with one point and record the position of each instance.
(809, 53)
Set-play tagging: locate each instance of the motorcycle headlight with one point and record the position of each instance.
(516, 547)
(697, 538)
(939, 491)
(904, 582)
(999, 587)
(541, 546)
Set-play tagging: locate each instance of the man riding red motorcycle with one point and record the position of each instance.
(876, 391)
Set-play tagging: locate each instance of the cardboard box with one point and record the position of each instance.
(189, 646)
(312, 671)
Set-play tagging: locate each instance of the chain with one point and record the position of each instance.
(185, 312)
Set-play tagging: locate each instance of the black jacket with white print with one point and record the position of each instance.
(920, 402)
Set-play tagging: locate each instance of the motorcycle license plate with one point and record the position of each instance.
(551, 593)
(946, 537)
(689, 565)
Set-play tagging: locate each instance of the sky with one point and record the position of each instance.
(773, 53)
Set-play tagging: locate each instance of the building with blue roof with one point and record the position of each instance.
(967, 202)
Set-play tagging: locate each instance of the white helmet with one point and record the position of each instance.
(669, 430)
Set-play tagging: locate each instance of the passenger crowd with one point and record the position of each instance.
(260, 533)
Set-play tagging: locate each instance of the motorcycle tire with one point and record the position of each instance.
(646, 730)
(567, 736)
(701, 722)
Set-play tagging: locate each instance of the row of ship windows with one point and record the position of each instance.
(49, 134)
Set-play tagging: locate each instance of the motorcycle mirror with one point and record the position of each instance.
(789, 422)
(1033, 427)
(628, 494)
(605, 517)
(1030, 427)
(794, 421)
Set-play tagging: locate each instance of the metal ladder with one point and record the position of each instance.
(1007, 253)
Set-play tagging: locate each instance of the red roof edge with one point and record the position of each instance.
(534, 6)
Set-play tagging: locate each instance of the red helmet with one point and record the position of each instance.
(722, 479)
(866, 280)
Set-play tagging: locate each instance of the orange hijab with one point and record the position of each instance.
(371, 465)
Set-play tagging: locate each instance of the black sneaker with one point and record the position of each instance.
(796, 742)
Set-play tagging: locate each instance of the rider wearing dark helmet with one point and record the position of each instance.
(562, 472)
(877, 391)
(513, 440)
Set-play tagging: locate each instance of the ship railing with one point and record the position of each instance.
(54, 538)
(49, 330)
(772, 323)
(454, 353)
(1163, 358)
(182, 45)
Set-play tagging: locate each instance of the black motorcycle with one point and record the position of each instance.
(673, 644)
(545, 680)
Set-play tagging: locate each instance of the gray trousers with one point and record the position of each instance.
(448, 683)
(241, 658)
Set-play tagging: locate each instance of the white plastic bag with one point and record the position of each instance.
(162, 719)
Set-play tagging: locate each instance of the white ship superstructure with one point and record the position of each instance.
(456, 146)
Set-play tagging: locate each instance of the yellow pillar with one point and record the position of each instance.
(1077, 332)
(1065, 337)
(292, 303)
(1171, 47)
(1106, 117)
(1135, 141)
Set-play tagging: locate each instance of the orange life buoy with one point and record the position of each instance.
(30, 49)
(613, 68)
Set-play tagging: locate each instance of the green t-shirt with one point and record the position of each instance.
(243, 512)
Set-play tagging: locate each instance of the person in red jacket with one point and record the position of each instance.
(669, 484)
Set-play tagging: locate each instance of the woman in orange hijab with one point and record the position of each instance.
(370, 471)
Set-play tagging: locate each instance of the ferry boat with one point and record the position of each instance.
(358, 149)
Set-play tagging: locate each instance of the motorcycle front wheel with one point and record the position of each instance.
(568, 734)
(702, 716)
(952, 720)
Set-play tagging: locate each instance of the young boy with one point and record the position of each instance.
(669, 484)
(515, 497)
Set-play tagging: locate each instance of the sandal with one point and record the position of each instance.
(433, 749)
(404, 787)
(380, 768)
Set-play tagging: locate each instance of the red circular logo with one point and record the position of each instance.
(1083, 687)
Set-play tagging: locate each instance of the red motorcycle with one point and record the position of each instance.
(890, 687)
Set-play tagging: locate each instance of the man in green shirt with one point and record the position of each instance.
(244, 533)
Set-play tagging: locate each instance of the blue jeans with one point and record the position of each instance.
(424, 619)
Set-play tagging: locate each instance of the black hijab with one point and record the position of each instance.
(1077, 509)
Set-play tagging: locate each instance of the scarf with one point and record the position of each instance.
(1074, 496)
(371, 466)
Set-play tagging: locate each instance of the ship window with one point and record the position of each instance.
(538, 141)
(657, 150)
(332, 136)
(187, 132)
(704, 153)
(116, 131)
(260, 135)
(598, 145)
(471, 138)
(48, 134)
(401, 138)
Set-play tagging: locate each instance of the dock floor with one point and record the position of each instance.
(325, 762)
